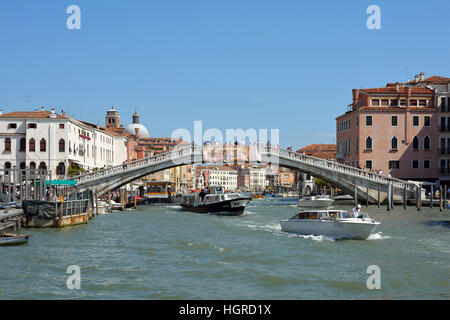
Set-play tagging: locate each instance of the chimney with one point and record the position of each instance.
(408, 95)
(53, 114)
(422, 76)
(42, 109)
(416, 78)
(355, 98)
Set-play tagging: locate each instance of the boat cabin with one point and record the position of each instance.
(325, 215)
(160, 189)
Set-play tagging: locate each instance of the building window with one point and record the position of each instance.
(61, 125)
(7, 167)
(415, 143)
(384, 102)
(12, 126)
(416, 121)
(368, 143)
(43, 145)
(423, 103)
(42, 166)
(8, 144)
(369, 164)
(32, 125)
(22, 145)
(394, 164)
(394, 143)
(394, 121)
(415, 164)
(427, 121)
(426, 164)
(413, 103)
(61, 169)
(32, 165)
(368, 121)
(62, 145)
(426, 143)
(394, 103)
(32, 145)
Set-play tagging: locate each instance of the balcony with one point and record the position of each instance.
(444, 128)
(444, 171)
(444, 150)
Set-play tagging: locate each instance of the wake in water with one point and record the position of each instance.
(276, 230)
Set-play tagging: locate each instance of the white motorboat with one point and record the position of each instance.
(103, 207)
(315, 202)
(345, 199)
(331, 223)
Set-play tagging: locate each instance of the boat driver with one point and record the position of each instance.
(357, 211)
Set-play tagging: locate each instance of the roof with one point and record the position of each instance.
(432, 80)
(323, 151)
(390, 89)
(41, 114)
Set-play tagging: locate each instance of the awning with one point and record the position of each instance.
(61, 182)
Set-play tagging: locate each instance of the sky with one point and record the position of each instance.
(286, 65)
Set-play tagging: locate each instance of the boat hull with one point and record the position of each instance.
(228, 207)
(13, 239)
(345, 230)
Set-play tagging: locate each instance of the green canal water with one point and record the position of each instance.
(164, 253)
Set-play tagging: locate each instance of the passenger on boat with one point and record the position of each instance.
(357, 211)
(202, 194)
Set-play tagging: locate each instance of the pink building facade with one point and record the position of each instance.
(393, 129)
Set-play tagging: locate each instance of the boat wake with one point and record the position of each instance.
(378, 236)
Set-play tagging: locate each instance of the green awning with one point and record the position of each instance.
(61, 182)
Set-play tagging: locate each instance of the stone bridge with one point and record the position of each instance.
(368, 185)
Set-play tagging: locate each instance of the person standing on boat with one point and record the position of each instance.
(357, 211)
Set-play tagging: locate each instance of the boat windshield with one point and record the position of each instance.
(306, 216)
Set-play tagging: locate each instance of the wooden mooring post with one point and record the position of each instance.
(388, 198)
(431, 197)
(367, 197)
(379, 196)
(122, 205)
(96, 203)
(419, 198)
(441, 204)
(356, 196)
(404, 197)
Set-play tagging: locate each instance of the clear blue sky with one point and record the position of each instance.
(288, 65)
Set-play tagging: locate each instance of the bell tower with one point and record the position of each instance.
(112, 119)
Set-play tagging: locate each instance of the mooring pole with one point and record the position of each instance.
(441, 206)
(367, 196)
(419, 198)
(356, 196)
(378, 196)
(96, 203)
(431, 197)
(404, 197)
(388, 202)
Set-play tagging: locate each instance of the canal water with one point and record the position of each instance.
(164, 253)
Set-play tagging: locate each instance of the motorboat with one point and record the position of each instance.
(315, 202)
(103, 207)
(11, 239)
(344, 199)
(115, 205)
(161, 192)
(216, 202)
(331, 223)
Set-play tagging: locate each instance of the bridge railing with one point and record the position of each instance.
(335, 166)
(179, 153)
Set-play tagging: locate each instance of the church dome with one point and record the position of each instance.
(143, 132)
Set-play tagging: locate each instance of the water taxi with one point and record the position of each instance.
(161, 192)
(315, 202)
(216, 202)
(331, 223)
